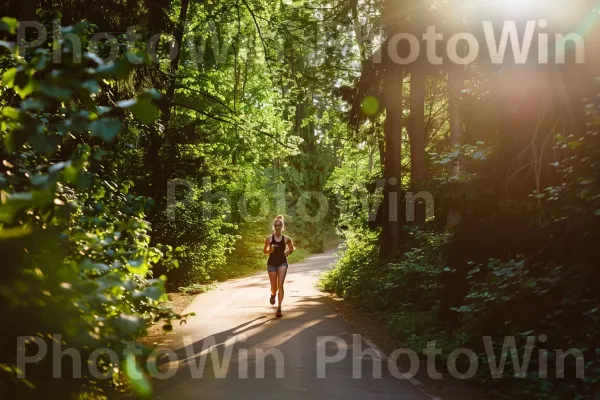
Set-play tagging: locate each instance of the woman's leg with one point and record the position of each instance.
(273, 279)
(281, 272)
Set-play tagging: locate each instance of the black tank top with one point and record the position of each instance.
(277, 257)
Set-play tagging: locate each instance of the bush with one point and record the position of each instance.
(73, 238)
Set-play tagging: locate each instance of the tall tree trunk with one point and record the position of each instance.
(456, 78)
(417, 138)
(393, 17)
(390, 240)
(455, 284)
(455, 86)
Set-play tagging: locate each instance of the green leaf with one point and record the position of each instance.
(56, 92)
(19, 231)
(39, 179)
(26, 90)
(117, 69)
(103, 109)
(58, 167)
(150, 94)
(9, 25)
(8, 45)
(153, 292)
(87, 265)
(42, 62)
(130, 323)
(126, 103)
(10, 112)
(78, 28)
(105, 128)
(70, 174)
(94, 57)
(21, 200)
(91, 86)
(32, 104)
(8, 78)
(44, 143)
(145, 111)
(138, 266)
(99, 153)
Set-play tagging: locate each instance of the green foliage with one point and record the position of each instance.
(90, 146)
(74, 240)
(557, 281)
(354, 271)
(527, 265)
(409, 283)
(355, 188)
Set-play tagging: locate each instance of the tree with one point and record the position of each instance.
(393, 14)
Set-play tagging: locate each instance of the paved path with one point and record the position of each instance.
(238, 319)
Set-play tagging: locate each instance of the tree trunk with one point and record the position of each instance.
(455, 285)
(417, 138)
(456, 77)
(390, 241)
(393, 17)
(455, 85)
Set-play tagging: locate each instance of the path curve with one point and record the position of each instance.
(238, 320)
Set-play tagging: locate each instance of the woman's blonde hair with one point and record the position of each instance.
(279, 218)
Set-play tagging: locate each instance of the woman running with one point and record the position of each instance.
(278, 247)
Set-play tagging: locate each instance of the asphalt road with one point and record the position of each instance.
(235, 348)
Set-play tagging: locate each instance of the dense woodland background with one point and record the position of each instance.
(266, 102)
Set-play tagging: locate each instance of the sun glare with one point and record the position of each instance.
(554, 11)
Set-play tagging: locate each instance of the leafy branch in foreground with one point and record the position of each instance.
(73, 238)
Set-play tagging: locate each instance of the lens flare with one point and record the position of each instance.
(370, 105)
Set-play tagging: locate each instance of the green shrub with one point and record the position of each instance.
(73, 238)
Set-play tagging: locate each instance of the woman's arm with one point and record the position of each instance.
(290, 246)
(267, 249)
